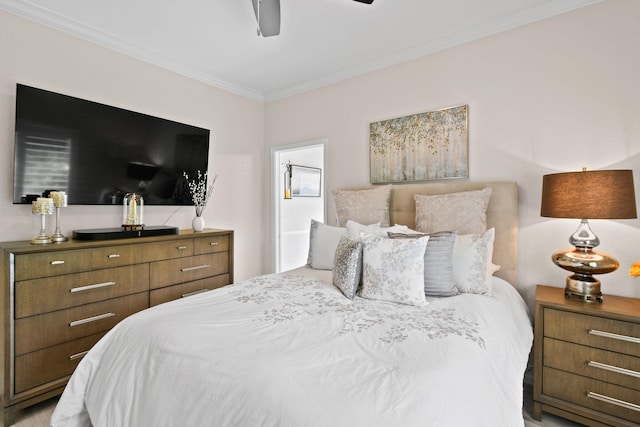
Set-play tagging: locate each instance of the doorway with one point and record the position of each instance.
(292, 217)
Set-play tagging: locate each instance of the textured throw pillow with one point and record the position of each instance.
(472, 264)
(347, 266)
(368, 206)
(393, 269)
(464, 212)
(323, 240)
(439, 280)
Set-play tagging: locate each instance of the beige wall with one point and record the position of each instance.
(36, 55)
(552, 96)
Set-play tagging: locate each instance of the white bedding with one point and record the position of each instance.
(291, 350)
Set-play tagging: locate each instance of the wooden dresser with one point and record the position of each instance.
(59, 299)
(587, 359)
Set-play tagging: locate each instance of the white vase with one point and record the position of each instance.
(198, 223)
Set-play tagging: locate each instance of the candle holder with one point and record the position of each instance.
(42, 206)
(132, 210)
(59, 201)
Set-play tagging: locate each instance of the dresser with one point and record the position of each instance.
(587, 359)
(59, 299)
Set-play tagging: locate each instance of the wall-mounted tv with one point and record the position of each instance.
(98, 153)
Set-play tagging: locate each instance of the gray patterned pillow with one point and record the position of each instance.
(347, 266)
(393, 269)
(367, 206)
(439, 280)
(464, 212)
(472, 266)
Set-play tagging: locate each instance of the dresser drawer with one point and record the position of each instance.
(589, 393)
(148, 252)
(170, 293)
(37, 332)
(593, 362)
(52, 363)
(165, 273)
(211, 244)
(593, 331)
(54, 293)
(112, 256)
(31, 266)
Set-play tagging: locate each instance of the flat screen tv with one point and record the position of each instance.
(98, 153)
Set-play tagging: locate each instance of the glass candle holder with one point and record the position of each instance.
(42, 206)
(132, 212)
(59, 201)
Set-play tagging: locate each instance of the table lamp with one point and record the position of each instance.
(603, 194)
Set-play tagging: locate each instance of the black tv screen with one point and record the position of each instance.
(98, 153)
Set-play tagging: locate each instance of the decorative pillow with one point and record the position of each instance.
(347, 266)
(393, 269)
(464, 212)
(472, 264)
(439, 280)
(354, 229)
(368, 206)
(323, 240)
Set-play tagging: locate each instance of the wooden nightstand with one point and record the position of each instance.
(587, 359)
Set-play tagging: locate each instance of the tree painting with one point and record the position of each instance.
(421, 147)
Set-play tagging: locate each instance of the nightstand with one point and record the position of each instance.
(587, 359)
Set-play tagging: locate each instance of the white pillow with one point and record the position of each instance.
(354, 229)
(472, 266)
(366, 206)
(393, 269)
(323, 240)
(464, 212)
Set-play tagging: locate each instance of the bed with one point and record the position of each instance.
(295, 349)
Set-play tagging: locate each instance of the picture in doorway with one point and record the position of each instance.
(305, 181)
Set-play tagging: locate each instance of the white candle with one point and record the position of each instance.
(45, 205)
(59, 199)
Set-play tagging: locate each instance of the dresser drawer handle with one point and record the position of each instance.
(614, 401)
(91, 319)
(78, 355)
(214, 243)
(616, 369)
(181, 248)
(59, 262)
(89, 287)
(614, 336)
(113, 256)
(197, 267)
(194, 293)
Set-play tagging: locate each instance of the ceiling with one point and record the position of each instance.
(320, 42)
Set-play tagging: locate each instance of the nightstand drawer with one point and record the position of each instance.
(592, 362)
(593, 331)
(165, 273)
(112, 256)
(52, 363)
(38, 332)
(49, 294)
(597, 395)
(169, 293)
(211, 244)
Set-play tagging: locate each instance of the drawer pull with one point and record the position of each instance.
(181, 248)
(91, 319)
(614, 401)
(78, 355)
(89, 287)
(197, 267)
(214, 243)
(57, 262)
(614, 336)
(616, 369)
(113, 256)
(194, 293)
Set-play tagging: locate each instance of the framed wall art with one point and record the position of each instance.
(305, 181)
(421, 147)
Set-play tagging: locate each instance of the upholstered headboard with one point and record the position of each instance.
(502, 214)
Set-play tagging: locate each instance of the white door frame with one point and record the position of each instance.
(277, 174)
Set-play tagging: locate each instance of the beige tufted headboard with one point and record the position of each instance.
(502, 214)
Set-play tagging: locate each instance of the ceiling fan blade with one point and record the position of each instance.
(365, 1)
(268, 17)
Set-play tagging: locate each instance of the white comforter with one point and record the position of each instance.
(291, 350)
